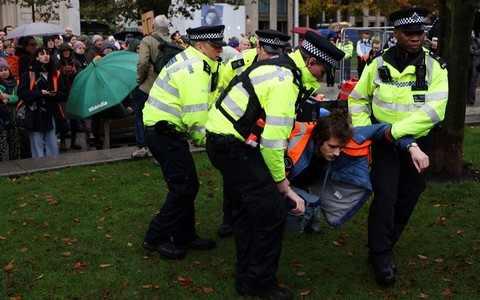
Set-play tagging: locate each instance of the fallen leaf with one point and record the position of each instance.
(9, 266)
(422, 256)
(146, 286)
(23, 204)
(24, 249)
(299, 274)
(79, 265)
(146, 174)
(305, 292)
(66, 254)
(205, 289)
(423, 296)
(338, 244)
(104, 266)
(40, 276)
(2, 238)
(439, 260)
(447, 292)
(76, 220)
(102, 219)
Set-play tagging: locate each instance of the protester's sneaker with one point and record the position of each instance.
(140, 153)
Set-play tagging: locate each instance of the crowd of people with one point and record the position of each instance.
(38, 73)
(244, 109)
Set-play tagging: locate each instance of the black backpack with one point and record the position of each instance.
(248, 122)
(167, 51)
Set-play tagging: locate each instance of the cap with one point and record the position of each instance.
(64, 47)
(3, 63)
(96, 37)
(409, 19)
(321, 48)
(185, 38)
(107, 44)
(83, 38)
(272, 41)
(212, 34)
(366, 31)
(78, 44)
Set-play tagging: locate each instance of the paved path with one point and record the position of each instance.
(73, 158)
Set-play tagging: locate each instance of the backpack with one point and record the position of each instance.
(167, 51)
(248, 123)
(12, 62)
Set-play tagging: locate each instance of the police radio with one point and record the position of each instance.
(420, 74)
(384, 74)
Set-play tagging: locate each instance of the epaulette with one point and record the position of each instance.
(375, 55)
(440, 60)
(238, 63)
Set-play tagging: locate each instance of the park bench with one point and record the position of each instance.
(113, 132)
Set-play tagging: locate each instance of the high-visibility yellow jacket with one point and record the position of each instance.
(236, 66)
(394, 102)
(277, 94)
(182, 94)
(347, 48)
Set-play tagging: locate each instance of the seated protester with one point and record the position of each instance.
(43, 88)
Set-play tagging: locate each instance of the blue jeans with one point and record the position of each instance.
(43, 143)
(138, 102)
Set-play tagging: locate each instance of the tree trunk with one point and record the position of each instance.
(456, 24)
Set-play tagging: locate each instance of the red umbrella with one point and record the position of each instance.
(301, 30)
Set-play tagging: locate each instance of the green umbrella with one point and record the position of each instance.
(103, 83)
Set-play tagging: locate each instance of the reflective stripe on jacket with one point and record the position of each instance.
(182, 94)
(277, 94)
(394, 102)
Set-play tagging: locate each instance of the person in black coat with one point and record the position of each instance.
(43, 89)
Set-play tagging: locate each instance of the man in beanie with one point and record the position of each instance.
(95, 48)
(405, 86)
(146, 76)
(270, 42)
(175, 112)
(247, 132)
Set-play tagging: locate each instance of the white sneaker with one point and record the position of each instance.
(140, 153)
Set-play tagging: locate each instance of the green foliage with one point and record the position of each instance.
(76, 234)
(355, 7)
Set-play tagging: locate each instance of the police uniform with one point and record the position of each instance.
(273, 42)
(259, 210)
(408, 91)
(176, 110)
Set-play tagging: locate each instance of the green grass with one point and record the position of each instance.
(76, 234)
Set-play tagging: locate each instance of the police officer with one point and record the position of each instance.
(407, 87)
(269, 42)
(257, 174)
(176, 110)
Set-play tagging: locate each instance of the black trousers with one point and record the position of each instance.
(360, 66)
(176, 218)
(259, 211)
(397, 186)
